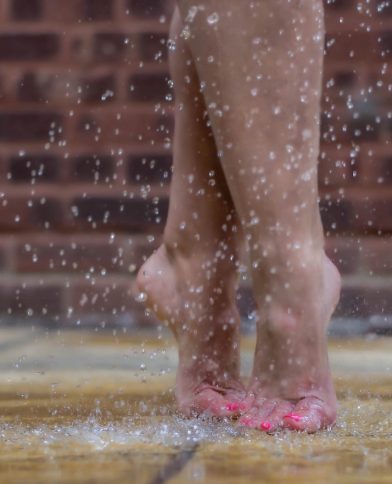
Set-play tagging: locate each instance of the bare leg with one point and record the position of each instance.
(261, 63)
(190, 281)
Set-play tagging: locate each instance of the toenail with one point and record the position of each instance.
(232, 406)
(294, 417)
(265, 426)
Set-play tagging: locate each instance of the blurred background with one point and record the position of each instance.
(86, 122)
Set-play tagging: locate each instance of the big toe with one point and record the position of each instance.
(267, 416)
(310, 415)
(210, 403)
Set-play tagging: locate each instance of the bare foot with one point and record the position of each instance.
(291, 385)
(201, 312)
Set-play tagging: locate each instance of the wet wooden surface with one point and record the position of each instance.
(86, 407)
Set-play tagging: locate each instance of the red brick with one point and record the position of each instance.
(340, 81)
(379, 84)
(97, 254)
(69, 12)
(149, 168)
(54, 255)
(348, 15)
(384, 8)
(18, 47)
(22, 212)
(352, 47)
(146, 8)
(338, 5)
(337, 215)
(101, 89)
(33, 301)
(40, 168)
(376, 169)
(111, 46)
(119, 213)
(338, 168)
(373, 214)
(149, 88)
(97, 9)
(2, 90)
(50, 85)
(355, 213)
(385, 42)
(140, 127)
(364, 298)
(365, 128)
(6, 251)
(376, 255)
(152, 47)
(29, 126)
(344, 127)
(105, 302)
(344, 253)
(26, 9)
(34, 87)
(92, 168)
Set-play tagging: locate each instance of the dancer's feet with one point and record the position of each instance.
(291, 385)
(196, 300)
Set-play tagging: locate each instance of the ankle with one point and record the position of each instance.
(275, 263)
(215, 263)
(299, 274)
(309, 291)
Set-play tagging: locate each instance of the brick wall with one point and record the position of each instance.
(85, 127)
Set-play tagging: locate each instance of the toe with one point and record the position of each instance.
(213, 404)
(258, 415)
(310, 415)
(276, 419)
(250, 418)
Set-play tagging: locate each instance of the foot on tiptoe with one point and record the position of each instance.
(203, 317)
(291, 385)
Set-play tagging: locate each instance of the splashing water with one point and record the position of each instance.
(173, 431)
(213, 19)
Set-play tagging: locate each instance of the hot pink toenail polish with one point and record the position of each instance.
(294, 417)
(265, 426)
(232, 406)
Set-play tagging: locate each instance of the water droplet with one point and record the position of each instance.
(171, 45)
(141, 297)
(277, 110)
(192, 12)
(213, 19)
(106, 95)
(272, 155)
(186, 33)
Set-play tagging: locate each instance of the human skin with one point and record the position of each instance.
(259, 65)
(190, 280)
